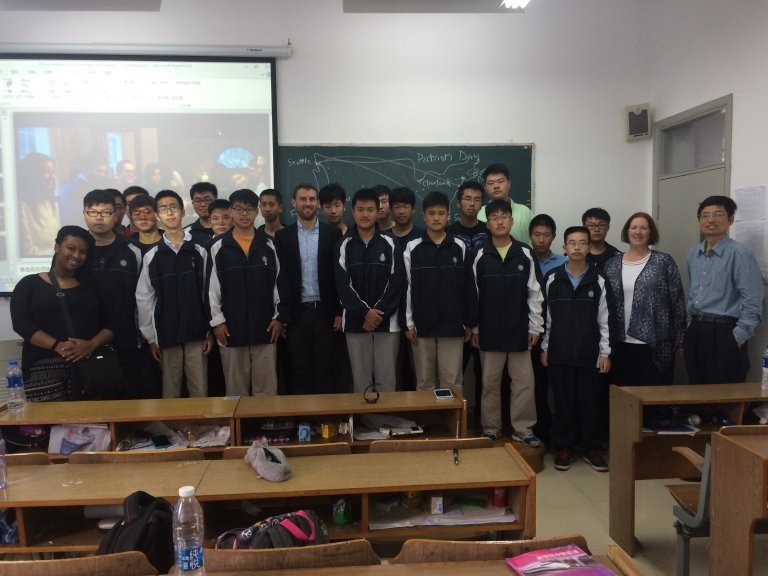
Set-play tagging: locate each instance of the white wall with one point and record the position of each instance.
(558, 76)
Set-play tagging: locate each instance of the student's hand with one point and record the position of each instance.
(76, 349)
(533, 339)
(467, 334)
(208, 344)
(221, 333)
(604, 365)
(412, 337)
(372, 319)
(275, 329)
(544, 359)
(337, 325)
(474, 340)
(155, 351)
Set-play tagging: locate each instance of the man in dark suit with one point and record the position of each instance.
(307, 253)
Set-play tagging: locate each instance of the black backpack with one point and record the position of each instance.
(147, 526)
(302, 528)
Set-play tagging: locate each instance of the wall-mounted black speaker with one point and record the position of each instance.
(637, 121)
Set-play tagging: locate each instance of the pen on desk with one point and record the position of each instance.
(456, 456)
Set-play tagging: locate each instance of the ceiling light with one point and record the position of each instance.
(514, 4)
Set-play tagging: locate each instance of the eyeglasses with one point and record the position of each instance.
(205, 200)
(601, 226)
(575, 243)
(244, 209)
(99, 213)
(168, 209)
(500, 218)
(712, 215)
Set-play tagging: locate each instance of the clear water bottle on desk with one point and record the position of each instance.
(188, 533)
(3, 464)
(765, 370)
(16, 396)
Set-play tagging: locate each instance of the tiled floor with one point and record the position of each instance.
(576, 501)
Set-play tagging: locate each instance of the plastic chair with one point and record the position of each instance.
(131, 456)
(123, 563)
(238, 452)
(348, 553)
(420, 550)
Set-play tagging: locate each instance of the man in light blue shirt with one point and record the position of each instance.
(725, 299)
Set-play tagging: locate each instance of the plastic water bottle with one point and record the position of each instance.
(3, 465)
(765, 370)
(16, 396)
(188, 532)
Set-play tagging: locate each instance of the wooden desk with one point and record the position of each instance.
(361, 475)
(446, 418)
(739, 497)
(49, 499)
(122, 415)
(635, 455)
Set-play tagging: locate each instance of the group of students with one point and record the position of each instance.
(359, 296)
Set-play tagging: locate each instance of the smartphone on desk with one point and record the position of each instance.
(443, 393)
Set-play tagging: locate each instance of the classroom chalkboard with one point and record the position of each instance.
(420, 168)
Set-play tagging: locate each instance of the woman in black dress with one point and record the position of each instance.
(37, 317)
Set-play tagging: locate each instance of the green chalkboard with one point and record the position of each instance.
(420, 168)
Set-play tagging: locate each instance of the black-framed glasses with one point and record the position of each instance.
(99, 213)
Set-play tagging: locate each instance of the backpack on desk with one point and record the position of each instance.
(146, 526)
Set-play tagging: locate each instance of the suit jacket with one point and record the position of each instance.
(287, 240)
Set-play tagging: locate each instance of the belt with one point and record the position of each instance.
(311, 305)
(706, 318)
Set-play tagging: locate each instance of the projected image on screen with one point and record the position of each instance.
(70, 126)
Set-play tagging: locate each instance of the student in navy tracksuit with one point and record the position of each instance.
(173, 312)
(248, 299)
(576, 351)
(435, 315)
(369, 281)
(506, 304)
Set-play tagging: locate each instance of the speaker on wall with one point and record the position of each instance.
(638, 122)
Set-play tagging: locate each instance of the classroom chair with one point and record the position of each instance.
(27, 459)
(347, 553)
(122, 563)
(238, 452)
(418, 550)
(379, 446)
(132, 456)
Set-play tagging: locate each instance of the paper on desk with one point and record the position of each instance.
(457, 516)
(683, 429)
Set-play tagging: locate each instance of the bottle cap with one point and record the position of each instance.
(13, 363)
(186, 491)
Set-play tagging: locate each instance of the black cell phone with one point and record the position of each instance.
(161, 441)
(443, 393)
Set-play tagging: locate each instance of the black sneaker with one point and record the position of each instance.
(596, 459)
(563, 459)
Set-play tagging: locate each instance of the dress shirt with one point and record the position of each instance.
(726, 281)
(309, 240)
(553, 261)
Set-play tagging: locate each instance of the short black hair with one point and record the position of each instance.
(365, 195)
(142, 201)
(542, 220)
(98, 197)
(202, 188)
(381, 189)
(498, 206)
(169, 194)
(497, 168)
(274, 193)
(597, 214)
(724, 201)
(218, 204)
(573, 230)
(133, 190)
(300, 186)
(65, 232)
(435, 198)
(116, 194)
(402, 195)
(471, 185)
(244, 195)
(331, 192)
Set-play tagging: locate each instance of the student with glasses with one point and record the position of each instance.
(172, 302)
(725, 299)
(598, 222)
(202, 194)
